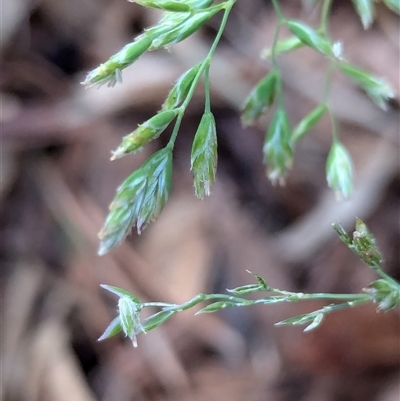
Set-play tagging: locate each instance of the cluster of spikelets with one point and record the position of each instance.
(141, 197)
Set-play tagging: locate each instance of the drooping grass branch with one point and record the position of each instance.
(385, 292)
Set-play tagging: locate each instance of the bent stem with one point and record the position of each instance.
(378, 270)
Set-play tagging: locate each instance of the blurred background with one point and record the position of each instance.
(57, 182)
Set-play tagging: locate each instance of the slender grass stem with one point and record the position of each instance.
(324, 25)
(274, 56)
(335, 131)
(207, 105)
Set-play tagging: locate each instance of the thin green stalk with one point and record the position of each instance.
(177, 125)
(284, 297)
(321, 296)
(308, 297)
(207, 107)
(324, 29)
(335, 132)
(274, 57)
(378, 270)
(204, 65)
(344, 305)
(328, 82)
(324, 25)
(209, 297)
(157, 305)
(278, 12)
